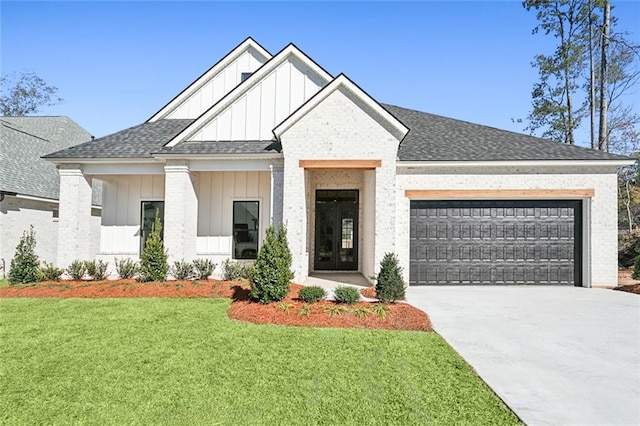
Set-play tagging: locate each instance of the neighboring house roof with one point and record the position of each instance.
(23, 140)
(135, 142)
(436, 138)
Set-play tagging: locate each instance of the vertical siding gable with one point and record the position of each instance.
(218, 86)
(255, 113)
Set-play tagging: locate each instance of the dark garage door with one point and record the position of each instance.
(495, 242)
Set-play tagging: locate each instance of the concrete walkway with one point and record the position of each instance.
(555, 355)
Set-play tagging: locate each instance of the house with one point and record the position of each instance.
(261, 138)
(29, 185)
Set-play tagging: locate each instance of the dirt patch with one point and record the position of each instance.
(626, 282)
(291, 311)
(369, 292)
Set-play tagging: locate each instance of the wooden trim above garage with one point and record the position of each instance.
(478, 194)
(340, 164)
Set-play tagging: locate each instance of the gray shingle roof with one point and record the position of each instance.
(23, 140)
(436, 138)
(223, 147)
(135, 142)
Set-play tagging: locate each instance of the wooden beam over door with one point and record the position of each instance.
(478, 194)
(340, 164)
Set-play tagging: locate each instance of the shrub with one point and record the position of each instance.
(272, 270)
(25, 265)
(126, 268)
(636, 269)
(48, 272)
(389, 283)
(96, 269)
(77, 269)
(235, 270)
(312, 294)
(153, 261)
(182, 270)
(346, 294)
(203, 268)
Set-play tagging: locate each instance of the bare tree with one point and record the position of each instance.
(25, 93)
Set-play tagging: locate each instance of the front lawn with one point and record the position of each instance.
(183, 361)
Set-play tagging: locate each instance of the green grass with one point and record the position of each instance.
(4, 282)
(182, 361)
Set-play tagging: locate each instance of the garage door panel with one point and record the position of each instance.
(495, 242)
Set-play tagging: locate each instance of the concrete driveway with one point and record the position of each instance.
(555, 355)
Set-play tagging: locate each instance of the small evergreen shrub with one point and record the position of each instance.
(203, 268)
(25, 267)
(312, 294)
(77, 269)
(182, 270)
(153, 261)
(346, 294)
(236, 271)
(96, 269)
(126, 268)
(48, 272)
(636, 269)
(272, 270)
(389, 283)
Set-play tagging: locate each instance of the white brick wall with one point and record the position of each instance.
(180, 212)
(74, 225)
(338, 128)
(603, 214)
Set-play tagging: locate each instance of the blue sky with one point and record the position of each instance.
(116, 63)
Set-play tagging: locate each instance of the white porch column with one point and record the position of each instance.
(180, 211)
(294, 217)
(277, 187)
(74, 224)
(385, 210)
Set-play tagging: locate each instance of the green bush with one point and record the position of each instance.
(203, 268)
(182, 270)
(96, 269)
(346, 294)
(312, 294)
(235, 270)
(48, 272)
(77, 269)
(153, 261)
(389, 283)
(272, 270)
(636, 269)
(126, 268)
(25, 267)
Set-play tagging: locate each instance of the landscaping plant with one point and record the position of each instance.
(153, 260)
(182, 270)
(312, 294)
(49, 272)
(126, 268)
(636, 268)
(346, 294)
(236, 271)
(25, 265)
(203, 268)
(77, 269)
(96, 269)
(272, 271)
(389, 283)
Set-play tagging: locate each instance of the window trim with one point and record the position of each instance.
(258, 200)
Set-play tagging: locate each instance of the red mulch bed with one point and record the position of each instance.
(399, 316)
(626, 281)
(631, 288)
(369, 292)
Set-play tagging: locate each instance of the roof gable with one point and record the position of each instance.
(280, 66)
(215, 83)
(358, 96)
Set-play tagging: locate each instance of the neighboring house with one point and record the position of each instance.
(29, 185)
(261, 139)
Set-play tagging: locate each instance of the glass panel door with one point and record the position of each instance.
(149, 211)
(336, 238)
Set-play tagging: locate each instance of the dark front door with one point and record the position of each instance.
(336, 230)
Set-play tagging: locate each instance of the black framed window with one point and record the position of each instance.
(149, 210)
(246, 229)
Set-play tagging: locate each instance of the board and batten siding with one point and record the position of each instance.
(216, 193)
(122, 195)
(218, 86)
(254, 114)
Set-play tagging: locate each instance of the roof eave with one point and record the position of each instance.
(517, 163)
